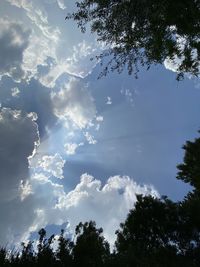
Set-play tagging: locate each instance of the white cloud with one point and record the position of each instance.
(128, 95)
(61, 4)
(174, 64)
(44, 38)
(99, 118)
(70, 148)
(108, 205)
(83, 50)
(108, 101)
(15, 92)
(47, 40)
(91, 140)
(40, 202)
(77, 63)
(25, 189)
(74, 102)
(38, 15)
(52, 165)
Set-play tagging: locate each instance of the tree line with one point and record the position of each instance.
(157, 232)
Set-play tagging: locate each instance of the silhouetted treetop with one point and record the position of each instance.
(144, 32)
(91, 248)
(189, 170)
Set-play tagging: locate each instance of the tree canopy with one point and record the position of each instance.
(144, 32)
(91, 248)
(189, 170)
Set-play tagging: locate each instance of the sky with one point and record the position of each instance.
(74, 147)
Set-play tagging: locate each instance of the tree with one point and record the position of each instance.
(189, 230)
(63, 253)
(189, 170)
(3, 260)
(27, 257)
(90, 249)
(144, 32)
(45, 254)
(149, 235)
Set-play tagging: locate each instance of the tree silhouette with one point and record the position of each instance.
(27, 257)
(144, 32)
(45, 254)
(149, 235)
(63, 252)
(90, 249)
(189, 170)
(3, 260)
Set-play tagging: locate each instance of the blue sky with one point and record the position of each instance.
(75, 147)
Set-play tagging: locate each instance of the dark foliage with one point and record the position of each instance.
(144, 32)
(189, 170)
(91, 249)
(159, 232)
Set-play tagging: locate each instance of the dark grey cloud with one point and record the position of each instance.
(18, 138)
(14, 39)
(31, 97)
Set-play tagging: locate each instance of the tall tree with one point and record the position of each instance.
(144, 32)
(63, 252)
(189, 172)
(91, 249)
(149, 235)
(45, 254)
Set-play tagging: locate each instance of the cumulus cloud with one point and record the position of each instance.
(39, 201)
(14, 40)
(73, 102)
(52, 165)
(43, 39)
(107, 204)
(15, 92)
